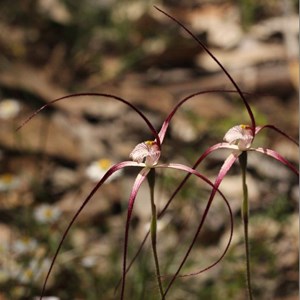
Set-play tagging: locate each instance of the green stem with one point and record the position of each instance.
(153, 230)
(245, 217)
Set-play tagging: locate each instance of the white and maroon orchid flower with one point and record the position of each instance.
(145, 156)
(239, 139)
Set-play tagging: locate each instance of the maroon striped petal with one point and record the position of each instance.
(225, 168)
(136, 186)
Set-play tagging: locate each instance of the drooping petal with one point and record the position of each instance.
(240, 135)
(106, 176)
(136, 186)
(161, 213)
(277, 156)
(147, 152)
(223, 171)
(196, 164)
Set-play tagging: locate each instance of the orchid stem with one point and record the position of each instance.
(245, 217)
(153, 230)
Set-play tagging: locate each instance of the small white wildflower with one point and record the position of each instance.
(89, 261)
(34, 271)
(240, 135)
(26, 275)
(9, 108)
(46, 213)
(24, 245)
(96, 170)
(8, 182)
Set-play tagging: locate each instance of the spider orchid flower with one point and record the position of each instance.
(145, 156)
(239, 139)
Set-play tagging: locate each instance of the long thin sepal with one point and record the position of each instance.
(259, 128)
(112, 170)
(154, 132)
(161, 213)
(224, 169)
(277, 156)
(219, 63)
(167, 121)
(136, 186)
(196, 164)
(224, 251)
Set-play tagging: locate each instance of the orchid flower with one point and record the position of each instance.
(239, 139)
(145, 156)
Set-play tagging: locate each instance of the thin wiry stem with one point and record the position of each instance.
(153, 231)
(245, 217)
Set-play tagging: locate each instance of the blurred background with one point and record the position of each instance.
(50, 48)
